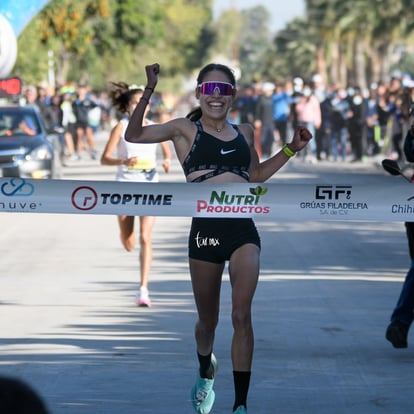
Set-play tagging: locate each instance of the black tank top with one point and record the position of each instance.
(210, 153)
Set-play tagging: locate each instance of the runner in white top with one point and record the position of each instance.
(137, 163)
(144, 168)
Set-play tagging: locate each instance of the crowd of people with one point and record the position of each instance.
(74, 112)
(348, 123)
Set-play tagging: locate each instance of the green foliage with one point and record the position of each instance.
(184, 21)
(255, 39)
(294, 52)
(32, 60)
(138, 21)
(228, 29)
(71, 23)
(107, 40)
(362, 33)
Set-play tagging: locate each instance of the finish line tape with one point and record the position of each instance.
(268, 201)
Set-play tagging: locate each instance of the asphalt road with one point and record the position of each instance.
(70, 328)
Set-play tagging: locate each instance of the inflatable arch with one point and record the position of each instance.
(14, 17)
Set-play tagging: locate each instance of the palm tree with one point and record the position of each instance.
(393, 24)
(358, 36)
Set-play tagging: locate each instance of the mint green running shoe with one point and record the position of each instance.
(241, 409)
(202, 394)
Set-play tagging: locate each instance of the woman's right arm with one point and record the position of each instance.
(181, 131)
(135, 131)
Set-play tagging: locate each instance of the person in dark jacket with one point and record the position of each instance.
(356, 123)
(81, 107)
(264, 119)
(403, 313)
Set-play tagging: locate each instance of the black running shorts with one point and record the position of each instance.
(215, 239)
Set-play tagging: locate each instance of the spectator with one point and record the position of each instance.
(308, 114)
(84, 132)
(357, 123)
(95, 114)
(296, 95)
(383, 111)
(69, 125)
(32, 97)
(372, 123)
(281, 109)
(246, 104)
(264, 119)
(318, 87)
(340, 111)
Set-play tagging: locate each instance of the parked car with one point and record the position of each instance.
(27, 149)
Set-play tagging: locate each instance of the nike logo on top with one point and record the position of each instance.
(223, 152)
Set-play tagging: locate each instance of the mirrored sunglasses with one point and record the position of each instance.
(208, 88)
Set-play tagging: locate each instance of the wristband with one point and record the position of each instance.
(288, 151)
(151, 89)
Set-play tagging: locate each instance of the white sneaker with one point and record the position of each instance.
(143, 298)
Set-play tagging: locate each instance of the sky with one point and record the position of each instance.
(19, 13)
(282, 12)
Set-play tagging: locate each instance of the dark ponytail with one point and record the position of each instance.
(195, 114)
(122, 93)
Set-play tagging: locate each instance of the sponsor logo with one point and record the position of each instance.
(205, 241)
(403, 208)
(17, 188)
(137, 199)
(224, 152)
(333, 200)
(240, 204)
(333, 192)
(86, 198)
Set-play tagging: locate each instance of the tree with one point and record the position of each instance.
(346, 42)
(32, 58)
(255, 38)
(138, 22)
(393, 25)
(70, 27)
(241, 40)
(114, 37)
(350, 42)
(294, 51)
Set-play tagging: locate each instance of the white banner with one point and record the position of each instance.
(269, 201)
